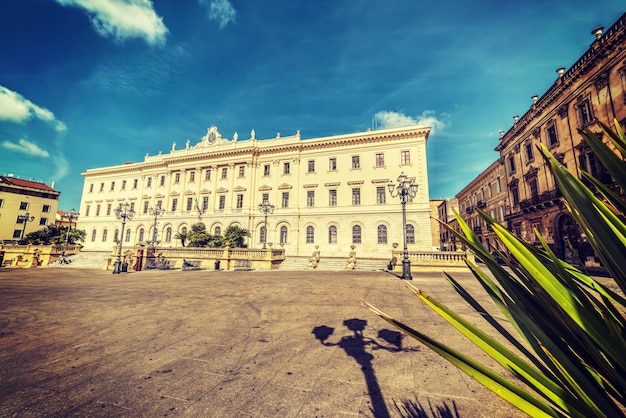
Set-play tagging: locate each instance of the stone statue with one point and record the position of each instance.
(173, 146)
(235, 137)
(187, 145)
(315, 259)
(351, 264)
(252, 134)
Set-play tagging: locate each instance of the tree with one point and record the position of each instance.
(182, 236)
(235, 235)
(575, 326)
(53, 234)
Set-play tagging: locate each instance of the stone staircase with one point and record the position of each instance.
(85, 260)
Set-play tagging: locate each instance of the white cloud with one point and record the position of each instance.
(387, 119)
(26, 147)
(221, 11)
(16, 108)
(123, 18)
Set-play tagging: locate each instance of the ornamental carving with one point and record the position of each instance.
(602, 80)
(265, 188)
(536, 132)
(309, 186)
(285, 186)
(562, 111)
(240, 189)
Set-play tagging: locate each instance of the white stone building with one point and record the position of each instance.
(329, 192)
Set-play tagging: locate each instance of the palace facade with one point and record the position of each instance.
(329, 192)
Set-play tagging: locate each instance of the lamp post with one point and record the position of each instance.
(266, 207)
(156, 212)
(405, 188)
(70, 216)
(122, 212)
(25, 218)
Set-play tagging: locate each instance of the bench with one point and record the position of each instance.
(243, 265)
(191, 265)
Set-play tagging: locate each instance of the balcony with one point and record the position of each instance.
(477, 229)
(469, 209)
(541, 201)
(481, 204)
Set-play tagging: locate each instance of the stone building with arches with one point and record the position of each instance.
(329, 192)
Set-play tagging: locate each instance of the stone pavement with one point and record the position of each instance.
(87, 343)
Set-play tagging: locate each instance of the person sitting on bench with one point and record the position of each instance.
(186, 264)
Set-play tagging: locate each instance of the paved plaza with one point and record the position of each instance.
(87, 343)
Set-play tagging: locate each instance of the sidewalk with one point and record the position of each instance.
(87, 343)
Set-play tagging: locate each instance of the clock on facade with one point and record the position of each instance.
(212, 137)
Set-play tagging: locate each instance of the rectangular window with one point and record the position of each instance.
(266, 170)
(23, 205)
(176, 178)
(285, 200)
(286, 168)
(499, 184)
(162, 181)
(132, 206)
(108, 209)
(123, 184)
(149, 182)
(381, 197)
(43, 221)
(515, 194)
(222, 203)
(97, 210)
(356, 161)
(356, 196)
(405, 157)
(512, 164)
(224, 173)
(17, 233)
(310, 198)
(332, 198)
(101, 187)
(174, 204)
(332, 164)
(551, 134)
(205, 203)
(91, 188)
(242, 170)
(529, 152)
(380, 160)
(239, 201)
(44, 209)
(159, 204)
(534, 188)
(135, 181)
(584, 112)
(207, 175)
(192, 177)
(189, 203)
(87, 210)
(311, 166)
(145, 206)
(265, 197)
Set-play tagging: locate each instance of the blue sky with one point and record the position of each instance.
(93, 83)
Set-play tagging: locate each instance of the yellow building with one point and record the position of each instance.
(25, 206)
(329, 192)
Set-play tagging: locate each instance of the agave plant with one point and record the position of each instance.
(574, 325)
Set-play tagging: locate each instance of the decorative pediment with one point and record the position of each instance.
(174, 194)
(239, 189)
(532, 172)
(355, 182)
(145, 197)
(333, 184)
(265, 188)
(189, 192)
(309, 186)
(205, 191)
(284, 186)
(222, 190)
(158, 196)
(380, 181)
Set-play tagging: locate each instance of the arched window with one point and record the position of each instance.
(127, 235)
(410, 234)
(93, 235)
(141, 235)
(104, 235)
(332, 235)
(356, 234)
(218, 230)
(168, 234)
(116, 236)
(310, 235)
(262, 234)
(382, 234)
(283, 234)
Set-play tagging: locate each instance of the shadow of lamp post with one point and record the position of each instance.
(156, 212)
(123, 212)
(266, 207)
(24, 219)
(70, 216)
(405, 189)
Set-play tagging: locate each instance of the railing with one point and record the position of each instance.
(547, 197)
(435, 258)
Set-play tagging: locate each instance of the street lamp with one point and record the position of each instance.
(156, 212)
(24, 219)
(266, 207)
(405, 188)
(70, 216)
(122, 212)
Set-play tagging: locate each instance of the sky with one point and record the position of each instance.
(95, 83)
